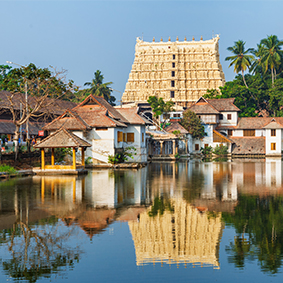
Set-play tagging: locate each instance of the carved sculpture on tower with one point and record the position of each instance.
(180, 71)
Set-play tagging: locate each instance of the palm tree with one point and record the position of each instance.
(241, 60)
(271, 54)
(257, 66)
(98, 88)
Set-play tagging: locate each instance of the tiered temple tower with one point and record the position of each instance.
(180, 71)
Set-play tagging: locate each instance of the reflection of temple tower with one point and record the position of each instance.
(183, 236)
(181, 71)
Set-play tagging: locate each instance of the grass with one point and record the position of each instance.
(7, 169)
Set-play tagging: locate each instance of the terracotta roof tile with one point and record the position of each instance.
(69, 120)
(223, 104)
(8, 127)
(62, 138)
(131, 115)
(203, 108)
(176, 127)
(248, 145)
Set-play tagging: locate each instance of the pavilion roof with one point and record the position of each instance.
(62, 139)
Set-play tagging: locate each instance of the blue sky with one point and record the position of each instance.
(83, 36)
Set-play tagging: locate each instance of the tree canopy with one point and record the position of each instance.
(159, 106)
(258, 92)
(98, 88)
(192, 123)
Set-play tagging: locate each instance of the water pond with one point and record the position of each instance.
(168, 222)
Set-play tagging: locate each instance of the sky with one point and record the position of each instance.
(84, 36)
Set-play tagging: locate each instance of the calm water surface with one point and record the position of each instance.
(183, 222)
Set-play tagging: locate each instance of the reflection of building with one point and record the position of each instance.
(183, 236)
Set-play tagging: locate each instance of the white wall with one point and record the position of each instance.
(226, 122)
(277, 140)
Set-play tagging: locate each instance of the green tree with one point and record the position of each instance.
(43, 86)
(159, 106)
(258, 222)
(192, 123)
(271, 55)
(241, 60)
(98, 88)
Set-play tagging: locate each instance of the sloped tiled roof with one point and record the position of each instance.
(8, 127)
(249, 145)
(202, 107)
(100, 101)
(131, 115)
(99, 118)
(223, 104)
(176, 127)
(62, 139)
(69, 120)
(273, 125)
(253, 122)
(54, 106)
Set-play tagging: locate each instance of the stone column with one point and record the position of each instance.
(174, 147)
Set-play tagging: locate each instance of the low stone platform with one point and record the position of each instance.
(79, 171)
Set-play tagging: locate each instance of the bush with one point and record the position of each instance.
(206, 151)
(123, 156)
(7, 169)
(221, 150)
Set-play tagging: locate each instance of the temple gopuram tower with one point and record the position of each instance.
(180, 71)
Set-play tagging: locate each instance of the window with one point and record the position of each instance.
(130, 137)
(196, 146)
(221, 117)
(273, 146)
(230, 133)
(172, 83)
(206, 145)
(177, 115)
(120, 136)
(249, 133)
(173, 65)
(229, 116)
(142, 137)
(173, 57)
(172, 93)
(273, 132)
(173, 73)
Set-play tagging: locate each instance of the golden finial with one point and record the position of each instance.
(185, 38)
(177, 39)
(193, 38)
(201, 38)
(169, 39)
(153, 40)
(161, 39)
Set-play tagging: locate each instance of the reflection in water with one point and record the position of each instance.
(176, 214)
(184, 235)
(259, 226)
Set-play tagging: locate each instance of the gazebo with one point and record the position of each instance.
(62, 139)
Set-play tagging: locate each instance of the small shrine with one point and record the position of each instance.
(62, 139)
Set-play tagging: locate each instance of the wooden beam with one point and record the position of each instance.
(42, 159)
(74, 158)
(52, 156)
